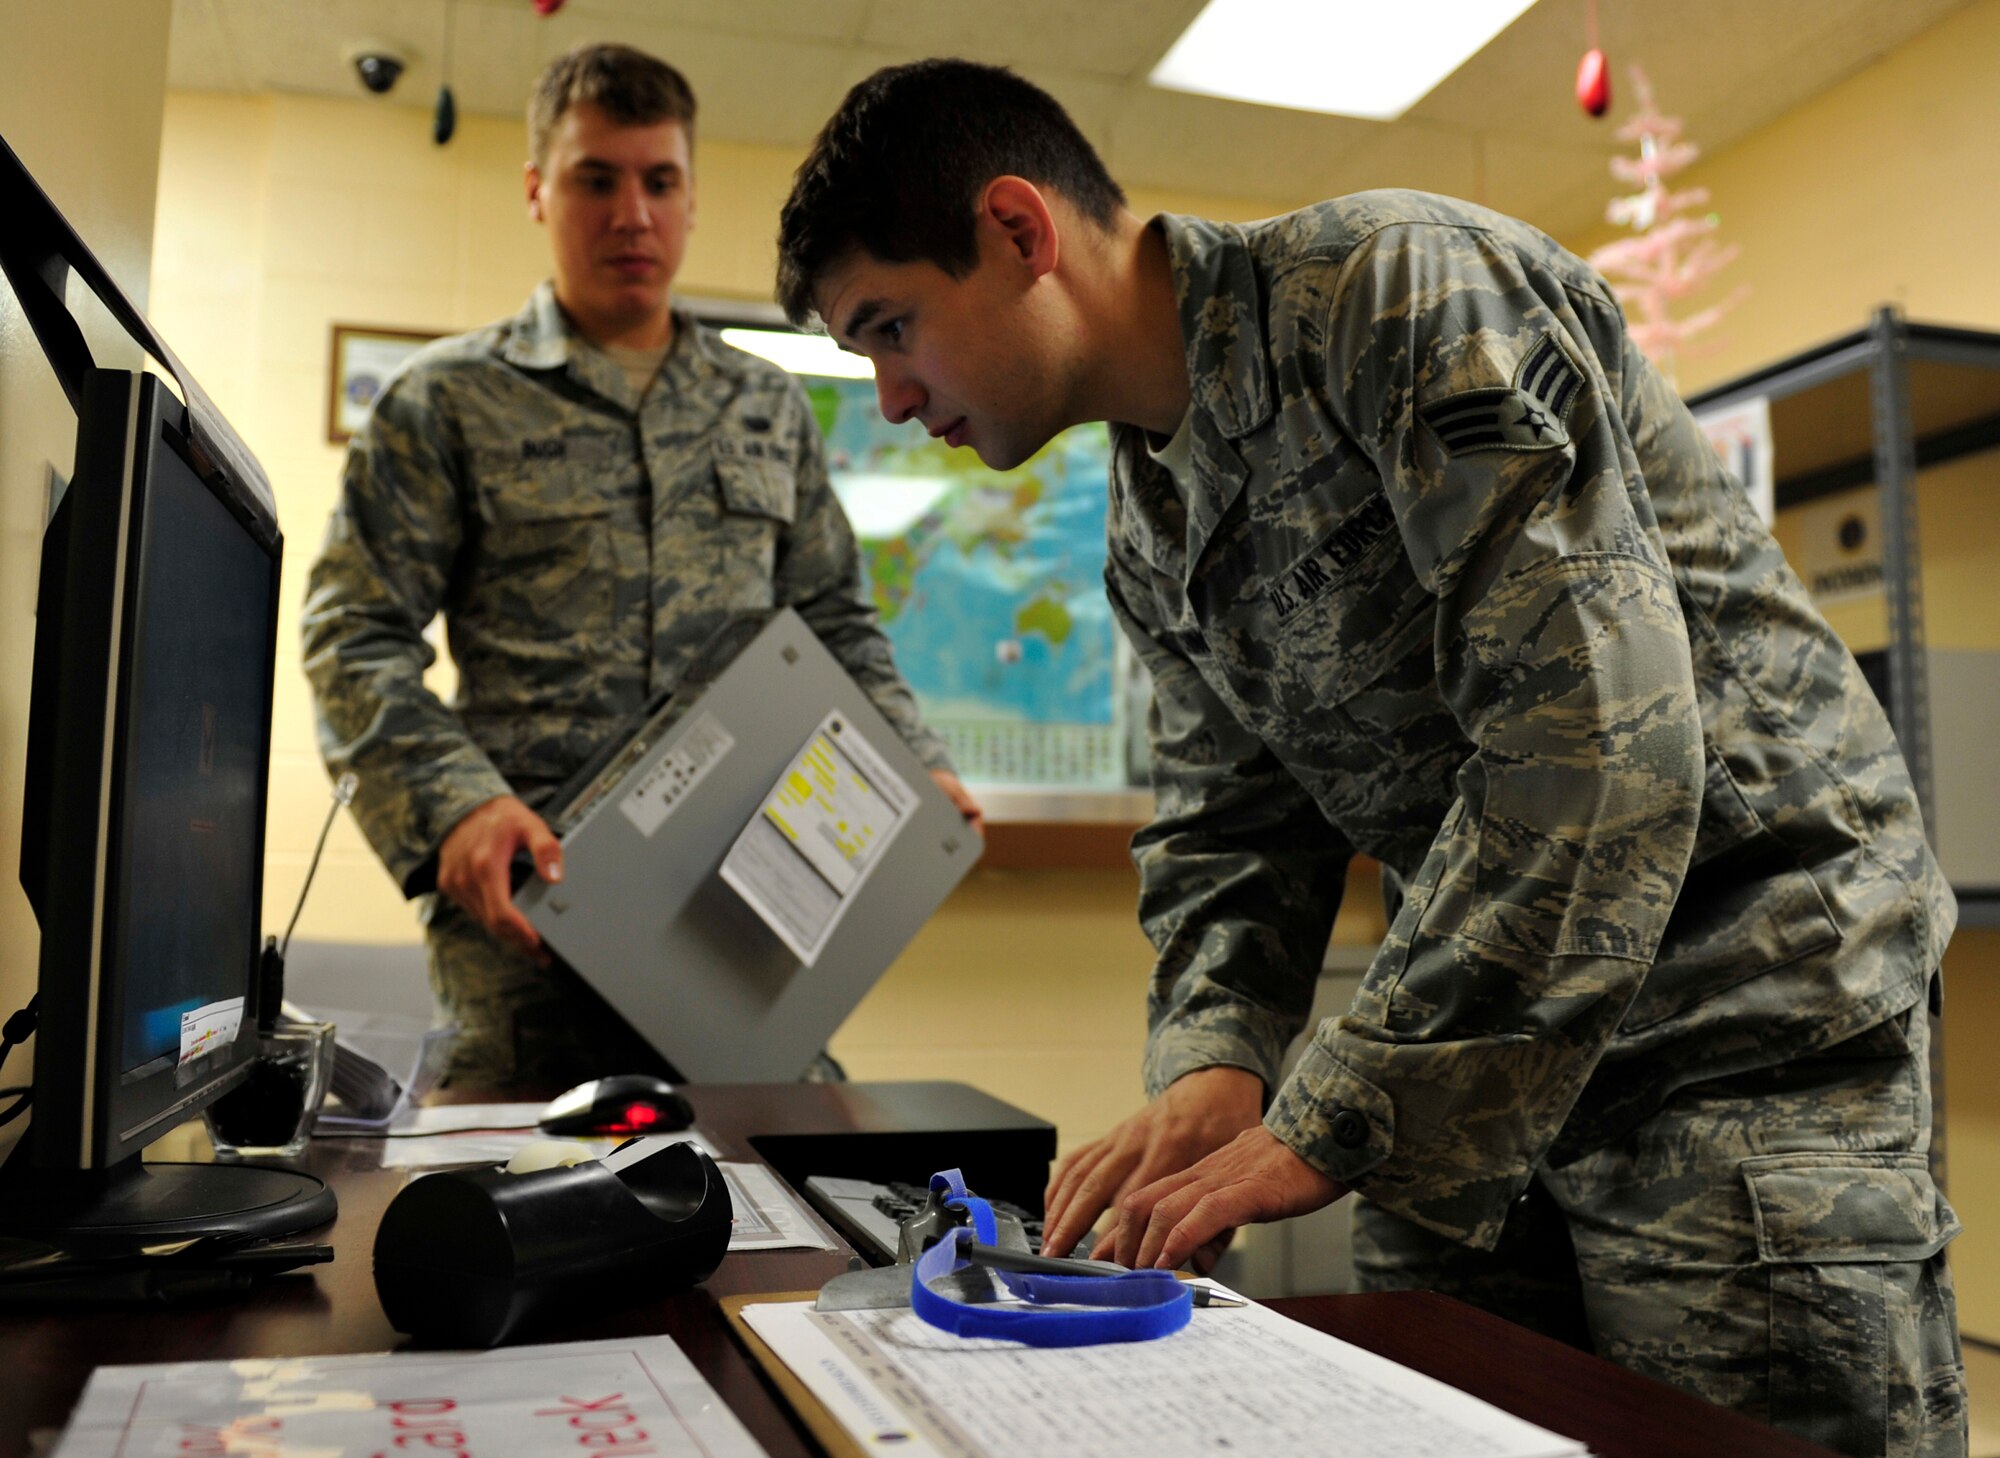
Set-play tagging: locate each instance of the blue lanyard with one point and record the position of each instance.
(1131, 1306)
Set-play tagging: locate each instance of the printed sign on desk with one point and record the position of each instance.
(587, 1398)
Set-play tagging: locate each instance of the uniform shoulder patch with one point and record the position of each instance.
(1529, 415)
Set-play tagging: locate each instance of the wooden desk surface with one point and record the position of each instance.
(46, 1359)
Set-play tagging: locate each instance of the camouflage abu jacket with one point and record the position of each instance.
(1459, 584)
(582, 546)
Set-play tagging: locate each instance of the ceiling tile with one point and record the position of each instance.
(770, 71)
(1170, 139)
(1091, 101)
(199, 56)
(774, 90)
(1117, 38)
(826, 20)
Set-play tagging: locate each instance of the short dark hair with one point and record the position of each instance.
(635, 90)
(898, 171)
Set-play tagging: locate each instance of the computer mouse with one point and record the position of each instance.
(629, 1103)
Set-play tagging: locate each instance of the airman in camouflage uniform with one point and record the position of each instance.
(1451, 578)
(584, 541)
(583, 546)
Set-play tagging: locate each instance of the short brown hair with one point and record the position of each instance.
(898, 171)
(635, 90)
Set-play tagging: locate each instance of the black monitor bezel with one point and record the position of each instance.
(87, 1115)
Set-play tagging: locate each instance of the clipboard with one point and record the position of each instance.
(823, 1425)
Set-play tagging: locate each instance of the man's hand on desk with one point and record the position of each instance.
(1251, 1179)
(961, 797)
(1195, 1116)
(475, 866)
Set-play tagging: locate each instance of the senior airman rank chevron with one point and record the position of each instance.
(1525, 417)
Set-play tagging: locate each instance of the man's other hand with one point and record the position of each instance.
(1251, 1179)
(1196, 1115)
(961, 797)
(475, 867)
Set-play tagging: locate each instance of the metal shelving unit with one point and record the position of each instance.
(1876, 407)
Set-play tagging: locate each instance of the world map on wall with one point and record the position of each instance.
(990, 587)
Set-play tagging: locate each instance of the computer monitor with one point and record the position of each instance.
(143, 831)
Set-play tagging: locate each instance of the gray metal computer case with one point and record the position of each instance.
(643, 912)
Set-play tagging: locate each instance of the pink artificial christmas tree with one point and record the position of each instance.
(1670, 254)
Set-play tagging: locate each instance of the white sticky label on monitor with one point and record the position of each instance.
(205, 1029)
(660, 792)
(819, 835)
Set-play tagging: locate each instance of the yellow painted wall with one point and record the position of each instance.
(1955, 531)
(85, 119)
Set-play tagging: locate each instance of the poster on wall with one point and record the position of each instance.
(989, 584)
(1741, 435)
(363, 359)
(1839, 552)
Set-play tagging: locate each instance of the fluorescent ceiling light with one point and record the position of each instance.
(802, 354)
(1368, 58)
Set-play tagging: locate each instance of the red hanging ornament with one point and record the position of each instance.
(1593, 83)
(1593, 72)
(547, 7)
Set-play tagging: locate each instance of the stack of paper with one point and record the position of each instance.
(1236, 1380)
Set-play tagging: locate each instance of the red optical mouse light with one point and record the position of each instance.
(641, 1116)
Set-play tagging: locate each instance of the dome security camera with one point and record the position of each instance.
(378, 66)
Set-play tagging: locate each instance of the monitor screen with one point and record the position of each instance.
(142, 834)
(191, 797)
(142, 815)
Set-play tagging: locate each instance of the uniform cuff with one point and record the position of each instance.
(1231, 1035)
(1345, 1127)
(929, 748)
(408, 835)
(1338, 1123)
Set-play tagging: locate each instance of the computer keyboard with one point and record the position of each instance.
(870, 1216)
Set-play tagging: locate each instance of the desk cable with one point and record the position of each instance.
(13, 1033)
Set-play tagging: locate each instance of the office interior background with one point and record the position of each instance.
(227, 166)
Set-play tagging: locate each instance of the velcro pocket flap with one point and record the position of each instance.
(554, 491)
(1829, 1208)
(755, 487)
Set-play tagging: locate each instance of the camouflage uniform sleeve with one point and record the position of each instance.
(1239, 875)
(380, 579)
(819, 575)
(1469, 374)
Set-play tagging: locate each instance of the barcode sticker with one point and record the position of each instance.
(660, 792)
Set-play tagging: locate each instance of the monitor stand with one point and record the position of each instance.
(134, 1201)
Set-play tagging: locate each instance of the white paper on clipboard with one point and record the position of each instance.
(819, 835)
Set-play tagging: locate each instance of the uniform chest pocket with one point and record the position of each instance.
(1359, 625)
(733, 555)
(754, 487)
(545, 568)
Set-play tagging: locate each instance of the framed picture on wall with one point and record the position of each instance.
(363, 359)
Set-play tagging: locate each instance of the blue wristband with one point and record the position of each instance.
(1132, 1306)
